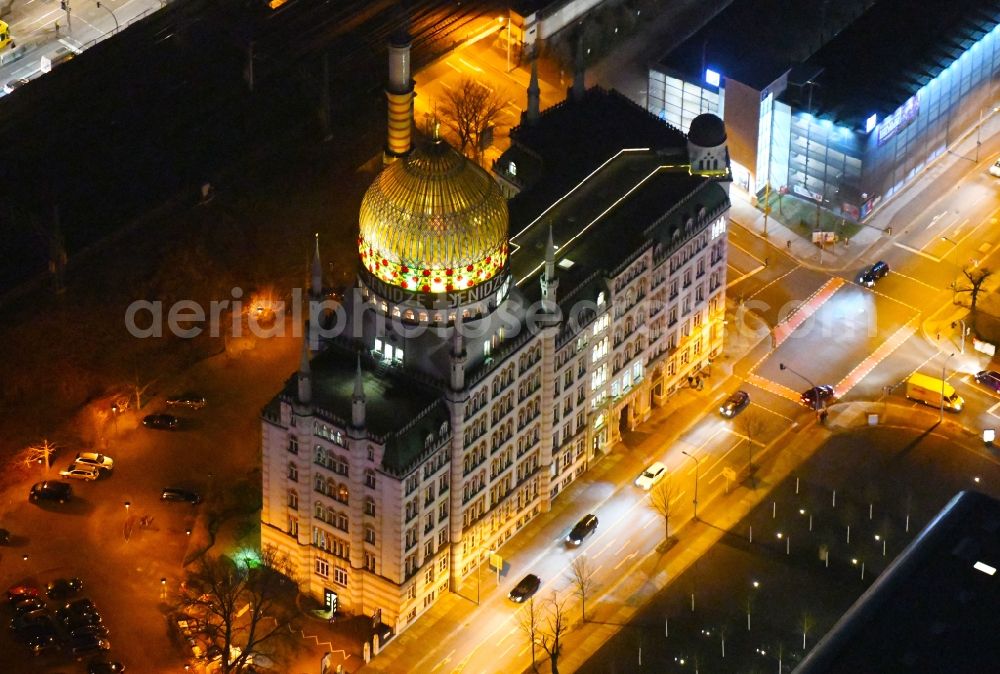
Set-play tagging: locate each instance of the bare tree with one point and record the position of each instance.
(470, 110)
(581, 572)
(245, 604)
(972, 284)
(529, 619)
(751, 424)
(557, 624)
(40, 453)
(660, 500)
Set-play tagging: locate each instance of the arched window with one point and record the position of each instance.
(342, 493)
(319, 510)
(330, 487)
(320, 484)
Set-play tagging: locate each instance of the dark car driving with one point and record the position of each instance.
(51, 491)
(525, 589)
(582, 529)
(734, 404)
(989, 379)
(873, 273)
(817, 395)
(163, 422)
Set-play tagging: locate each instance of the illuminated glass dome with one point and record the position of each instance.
(433, 222)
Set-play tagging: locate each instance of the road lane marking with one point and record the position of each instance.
(624, 545)
(914, 279)
(471, 66)
(916, 251)
(444, 660)
(992, 410)
(624, 560)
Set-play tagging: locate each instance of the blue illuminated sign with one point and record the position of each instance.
(712, 77)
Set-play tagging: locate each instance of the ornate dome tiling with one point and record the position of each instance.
(433, 222)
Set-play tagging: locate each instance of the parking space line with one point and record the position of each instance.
(992, 410)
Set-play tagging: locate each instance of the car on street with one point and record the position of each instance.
(990, 379)
(12, 85)
(582, 529)
(873, 273)
(527, 587)
(17, 593)
(19, 622)
(60, 588)
(51, 491)
(39, 636)
(651, 476)
(995, 169)
(734, 404)
(189, 400)
(87, 644)
(185, 495)
(81, 471)
(105, 667)
(102, 461)
(162, 422)
(816, 396)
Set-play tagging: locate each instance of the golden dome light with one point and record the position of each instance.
(433, 222)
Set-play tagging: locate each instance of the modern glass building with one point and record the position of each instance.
(850, 123)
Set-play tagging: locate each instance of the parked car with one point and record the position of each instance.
(105, 667)
(22, 620)
(175, 494)
(61, 588)
(39, 636)
(87, 644)
(81, 605)
(651, 476)
(989, 379)
(102, 461)
(163, 422)
(17, 593)
(873, 273)
(816, 395)
(4, 537)
(81, 471)
(191, 400)
(582, 529)
(78, 621)
(995, 169)
(28, 605)
(51, 491)
(525, 588)
(96, 629)
(734, 404)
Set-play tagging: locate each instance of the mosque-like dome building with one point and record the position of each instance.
(433, 222)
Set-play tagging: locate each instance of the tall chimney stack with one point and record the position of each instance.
(399, 93)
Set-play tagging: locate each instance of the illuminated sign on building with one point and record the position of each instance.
(712, 77)
(899, 120)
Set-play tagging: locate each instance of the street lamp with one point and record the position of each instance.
(111, 12)
(697, 464)
(813, 388)
(943, 383)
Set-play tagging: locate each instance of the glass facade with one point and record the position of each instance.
(678, 102)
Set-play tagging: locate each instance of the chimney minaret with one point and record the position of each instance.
(399, 93)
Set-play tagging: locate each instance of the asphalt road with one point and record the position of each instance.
(905, 473)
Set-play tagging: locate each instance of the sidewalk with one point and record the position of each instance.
(889, 221)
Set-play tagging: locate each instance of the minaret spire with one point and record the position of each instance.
(458, 359)
(304, 374)
(358, 399)
(399, 93)
(534, 93)
(316, 283)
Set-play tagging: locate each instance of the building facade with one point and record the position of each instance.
(850, 117)
(473, 375)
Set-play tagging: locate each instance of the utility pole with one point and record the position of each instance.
(64, 4)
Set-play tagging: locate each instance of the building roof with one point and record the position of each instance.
(433, 221)
(599, 219)
(931, 610)
(783, 33)
(400, 408)
(866, 73)
(572, 139)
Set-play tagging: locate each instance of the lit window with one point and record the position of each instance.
(870, 123)
(513, 169)
(712, 77)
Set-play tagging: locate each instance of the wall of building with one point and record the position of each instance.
(742, 118)
(678, 102)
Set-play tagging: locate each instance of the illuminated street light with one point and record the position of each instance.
(697, 464)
